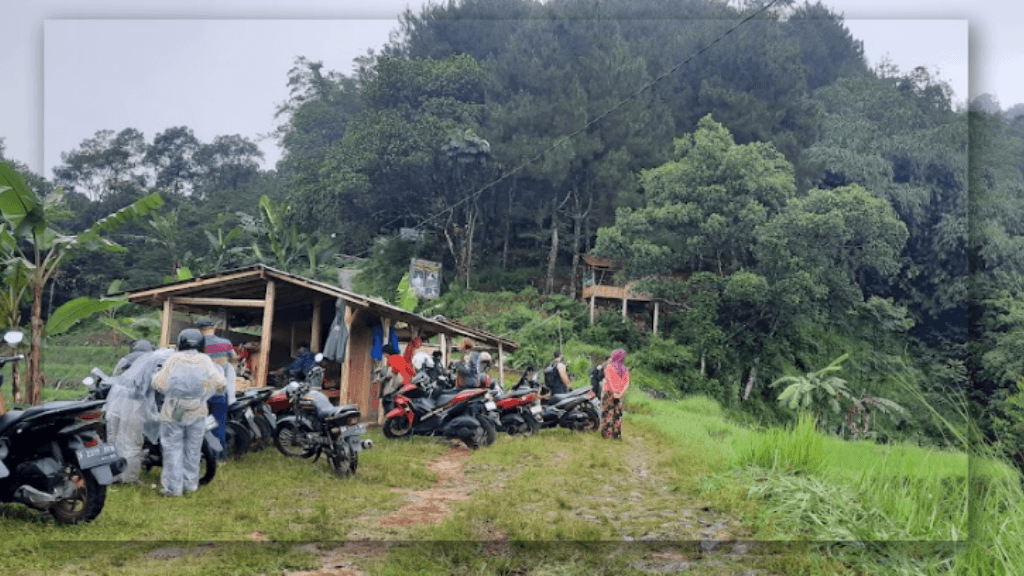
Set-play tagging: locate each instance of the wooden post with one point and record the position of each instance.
(624, 301)
(314, 338)
(266, 333)
(501, 366)
(593, 297)
(655, 316)
(444, 350)
(165, 326)
(350, 315)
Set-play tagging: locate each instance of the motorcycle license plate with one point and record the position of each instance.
(350, 430)
(490, 405)
(536, 409)
(97, 456)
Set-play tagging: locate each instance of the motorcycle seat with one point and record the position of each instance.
(10, 418)
(556, 398)
(333, 411)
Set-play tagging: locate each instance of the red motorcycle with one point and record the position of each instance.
(519, 409)
(469, 415)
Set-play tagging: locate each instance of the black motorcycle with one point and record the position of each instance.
(250, 423)
(152, 455)
(52, 458)
(312, 426)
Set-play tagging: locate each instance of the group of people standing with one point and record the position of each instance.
(192, 380)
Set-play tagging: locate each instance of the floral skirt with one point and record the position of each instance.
(611, 416)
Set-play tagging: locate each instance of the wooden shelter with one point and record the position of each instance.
(283, 310)
(601, 283)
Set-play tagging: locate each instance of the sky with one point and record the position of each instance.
(220, 66)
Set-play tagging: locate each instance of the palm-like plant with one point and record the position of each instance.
(816, 390)
(30, 238)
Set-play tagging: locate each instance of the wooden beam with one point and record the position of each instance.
(225, 302)
(350, 314)
(266, 334)
(655, 316)
(190, 285)
(501, 366)
(165, 325)
(314, 338)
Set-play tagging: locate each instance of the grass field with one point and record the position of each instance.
(687, 491)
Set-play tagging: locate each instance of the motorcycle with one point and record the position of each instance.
(52, 459)
(422, 408)
(312, 426)
(152, 455)
(578, 410)
(519, 409)
(250, 422)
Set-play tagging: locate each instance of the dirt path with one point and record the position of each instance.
(422, 507)
(640, 506)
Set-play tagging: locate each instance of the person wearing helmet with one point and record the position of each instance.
(484, 364)
(139, 347)
(222, 352)
(187, 379)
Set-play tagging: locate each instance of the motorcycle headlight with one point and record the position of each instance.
(352, 420)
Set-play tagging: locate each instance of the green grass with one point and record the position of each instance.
(566, 503)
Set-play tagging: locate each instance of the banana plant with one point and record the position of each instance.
(30, 238)
(815, 390)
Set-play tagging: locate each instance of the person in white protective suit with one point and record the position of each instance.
(187, 380)
(131, 411)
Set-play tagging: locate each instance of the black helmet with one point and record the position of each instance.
(142, 346)
(191, 339)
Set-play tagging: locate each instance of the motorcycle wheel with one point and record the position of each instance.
(344, 459)
(87, 502)
(532, 425)
(207, 465)
(490, 433)
(266, 433)
(397, 427)
(291, 439)
(236, 440)
(593, 419)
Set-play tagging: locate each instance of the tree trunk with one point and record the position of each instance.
(35, 353)
(750, 381)
(549, 283)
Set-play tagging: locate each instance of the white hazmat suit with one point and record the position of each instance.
(187, 380)
(131, 411)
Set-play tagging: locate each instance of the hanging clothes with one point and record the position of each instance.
(337, 338)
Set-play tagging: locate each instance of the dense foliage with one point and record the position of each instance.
(786, 203)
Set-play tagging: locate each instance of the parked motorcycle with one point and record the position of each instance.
(52, 459)
(250, 422)
(312, 426)
(99, 385)
(519, 408)
(577, 410)
(422, 408)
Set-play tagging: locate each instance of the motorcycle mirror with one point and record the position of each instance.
(319, 357)
(89, 382)
(13, 337)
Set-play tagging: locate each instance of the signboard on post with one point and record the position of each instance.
(425, 278)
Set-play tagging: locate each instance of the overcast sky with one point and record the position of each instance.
(220, 66)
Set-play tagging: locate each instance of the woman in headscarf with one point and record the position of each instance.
(616, 383)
